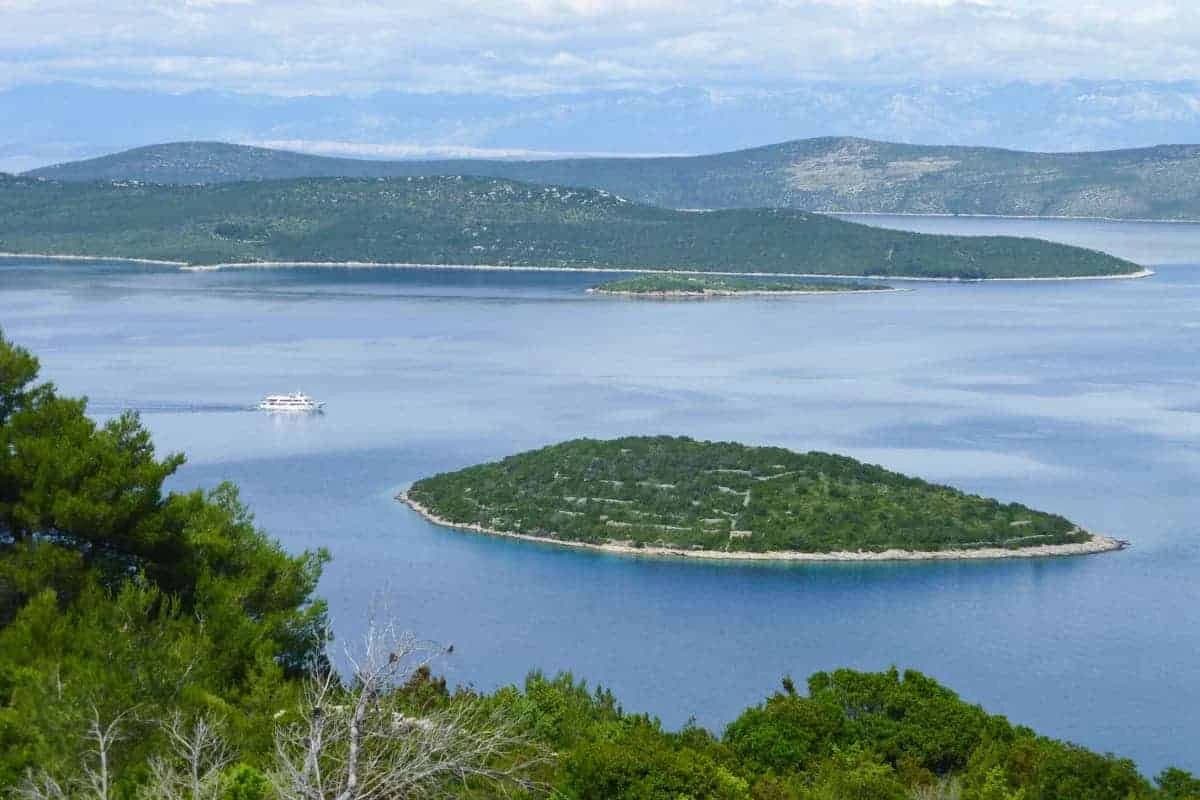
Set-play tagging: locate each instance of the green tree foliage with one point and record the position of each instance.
(636, 760)
(244, 782)
(855, 736)
(118, 599)
(682, 493)
(855, 775)
(788, 732)
(909, 718)
(1178, 785)
(995, 787)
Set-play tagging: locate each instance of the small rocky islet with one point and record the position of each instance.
(666, 286)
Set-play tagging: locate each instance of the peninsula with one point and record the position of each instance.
(479, 222)
(665, 286)
(682, 497)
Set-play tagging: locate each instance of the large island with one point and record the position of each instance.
(678, 496)
(490, 222)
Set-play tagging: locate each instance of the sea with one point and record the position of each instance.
(1077, 397)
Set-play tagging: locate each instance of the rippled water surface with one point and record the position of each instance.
(1081, 398)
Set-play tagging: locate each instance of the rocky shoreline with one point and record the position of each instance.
(61, 257)
(1097, 544)
(1142, 273)
(190, 267)
(708, 294)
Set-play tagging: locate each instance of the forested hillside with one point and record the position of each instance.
(486, 221)
(824, 174)
(157, 645)
(663, 491)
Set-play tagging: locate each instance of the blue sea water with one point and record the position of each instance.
(1077, 397)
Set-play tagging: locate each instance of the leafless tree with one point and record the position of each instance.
(41, 786)
(948, 789)
(192, 770)
(96, 778)
(348, 740)
(351, 743)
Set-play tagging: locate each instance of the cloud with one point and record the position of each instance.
(527, 46)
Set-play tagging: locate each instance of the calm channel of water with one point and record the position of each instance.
(1077, 397)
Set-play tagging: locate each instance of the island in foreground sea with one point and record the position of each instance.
(665, 286)
(679, 496)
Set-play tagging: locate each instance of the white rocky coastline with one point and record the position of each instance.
(77, 257)
(711, 294)
(189, 267)
(1142, 273)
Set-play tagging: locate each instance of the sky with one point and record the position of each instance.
(285, 47)
(547, 77)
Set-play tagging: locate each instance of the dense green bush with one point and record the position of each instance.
(120, 599)
(855, 736)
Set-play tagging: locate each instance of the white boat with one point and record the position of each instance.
(297, 402)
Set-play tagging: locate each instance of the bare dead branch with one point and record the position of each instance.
(351, 743)
(95, 779)
(192, 769)
(40, 786)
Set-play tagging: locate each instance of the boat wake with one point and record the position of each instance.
(164, 407)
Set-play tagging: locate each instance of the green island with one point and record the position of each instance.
(666, 285)
(157, 644)
(679, 496)
(493, 222)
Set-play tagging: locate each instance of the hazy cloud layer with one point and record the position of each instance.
(58, 122)
(525, 78)
(538, 46)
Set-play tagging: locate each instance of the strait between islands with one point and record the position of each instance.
(675, 496)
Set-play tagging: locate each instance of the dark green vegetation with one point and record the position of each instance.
(137, 614)
(855, 736)
(678, 492)
(700, 285)
(826, 174)
(115, 595)
(483, 221)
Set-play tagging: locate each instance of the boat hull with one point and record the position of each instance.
(298, 403)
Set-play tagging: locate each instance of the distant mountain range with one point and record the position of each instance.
(487, 221)
(832, 174)
(55, 122)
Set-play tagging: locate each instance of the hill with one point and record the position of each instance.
(825, 175)
(485, 221)
(683, 495)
